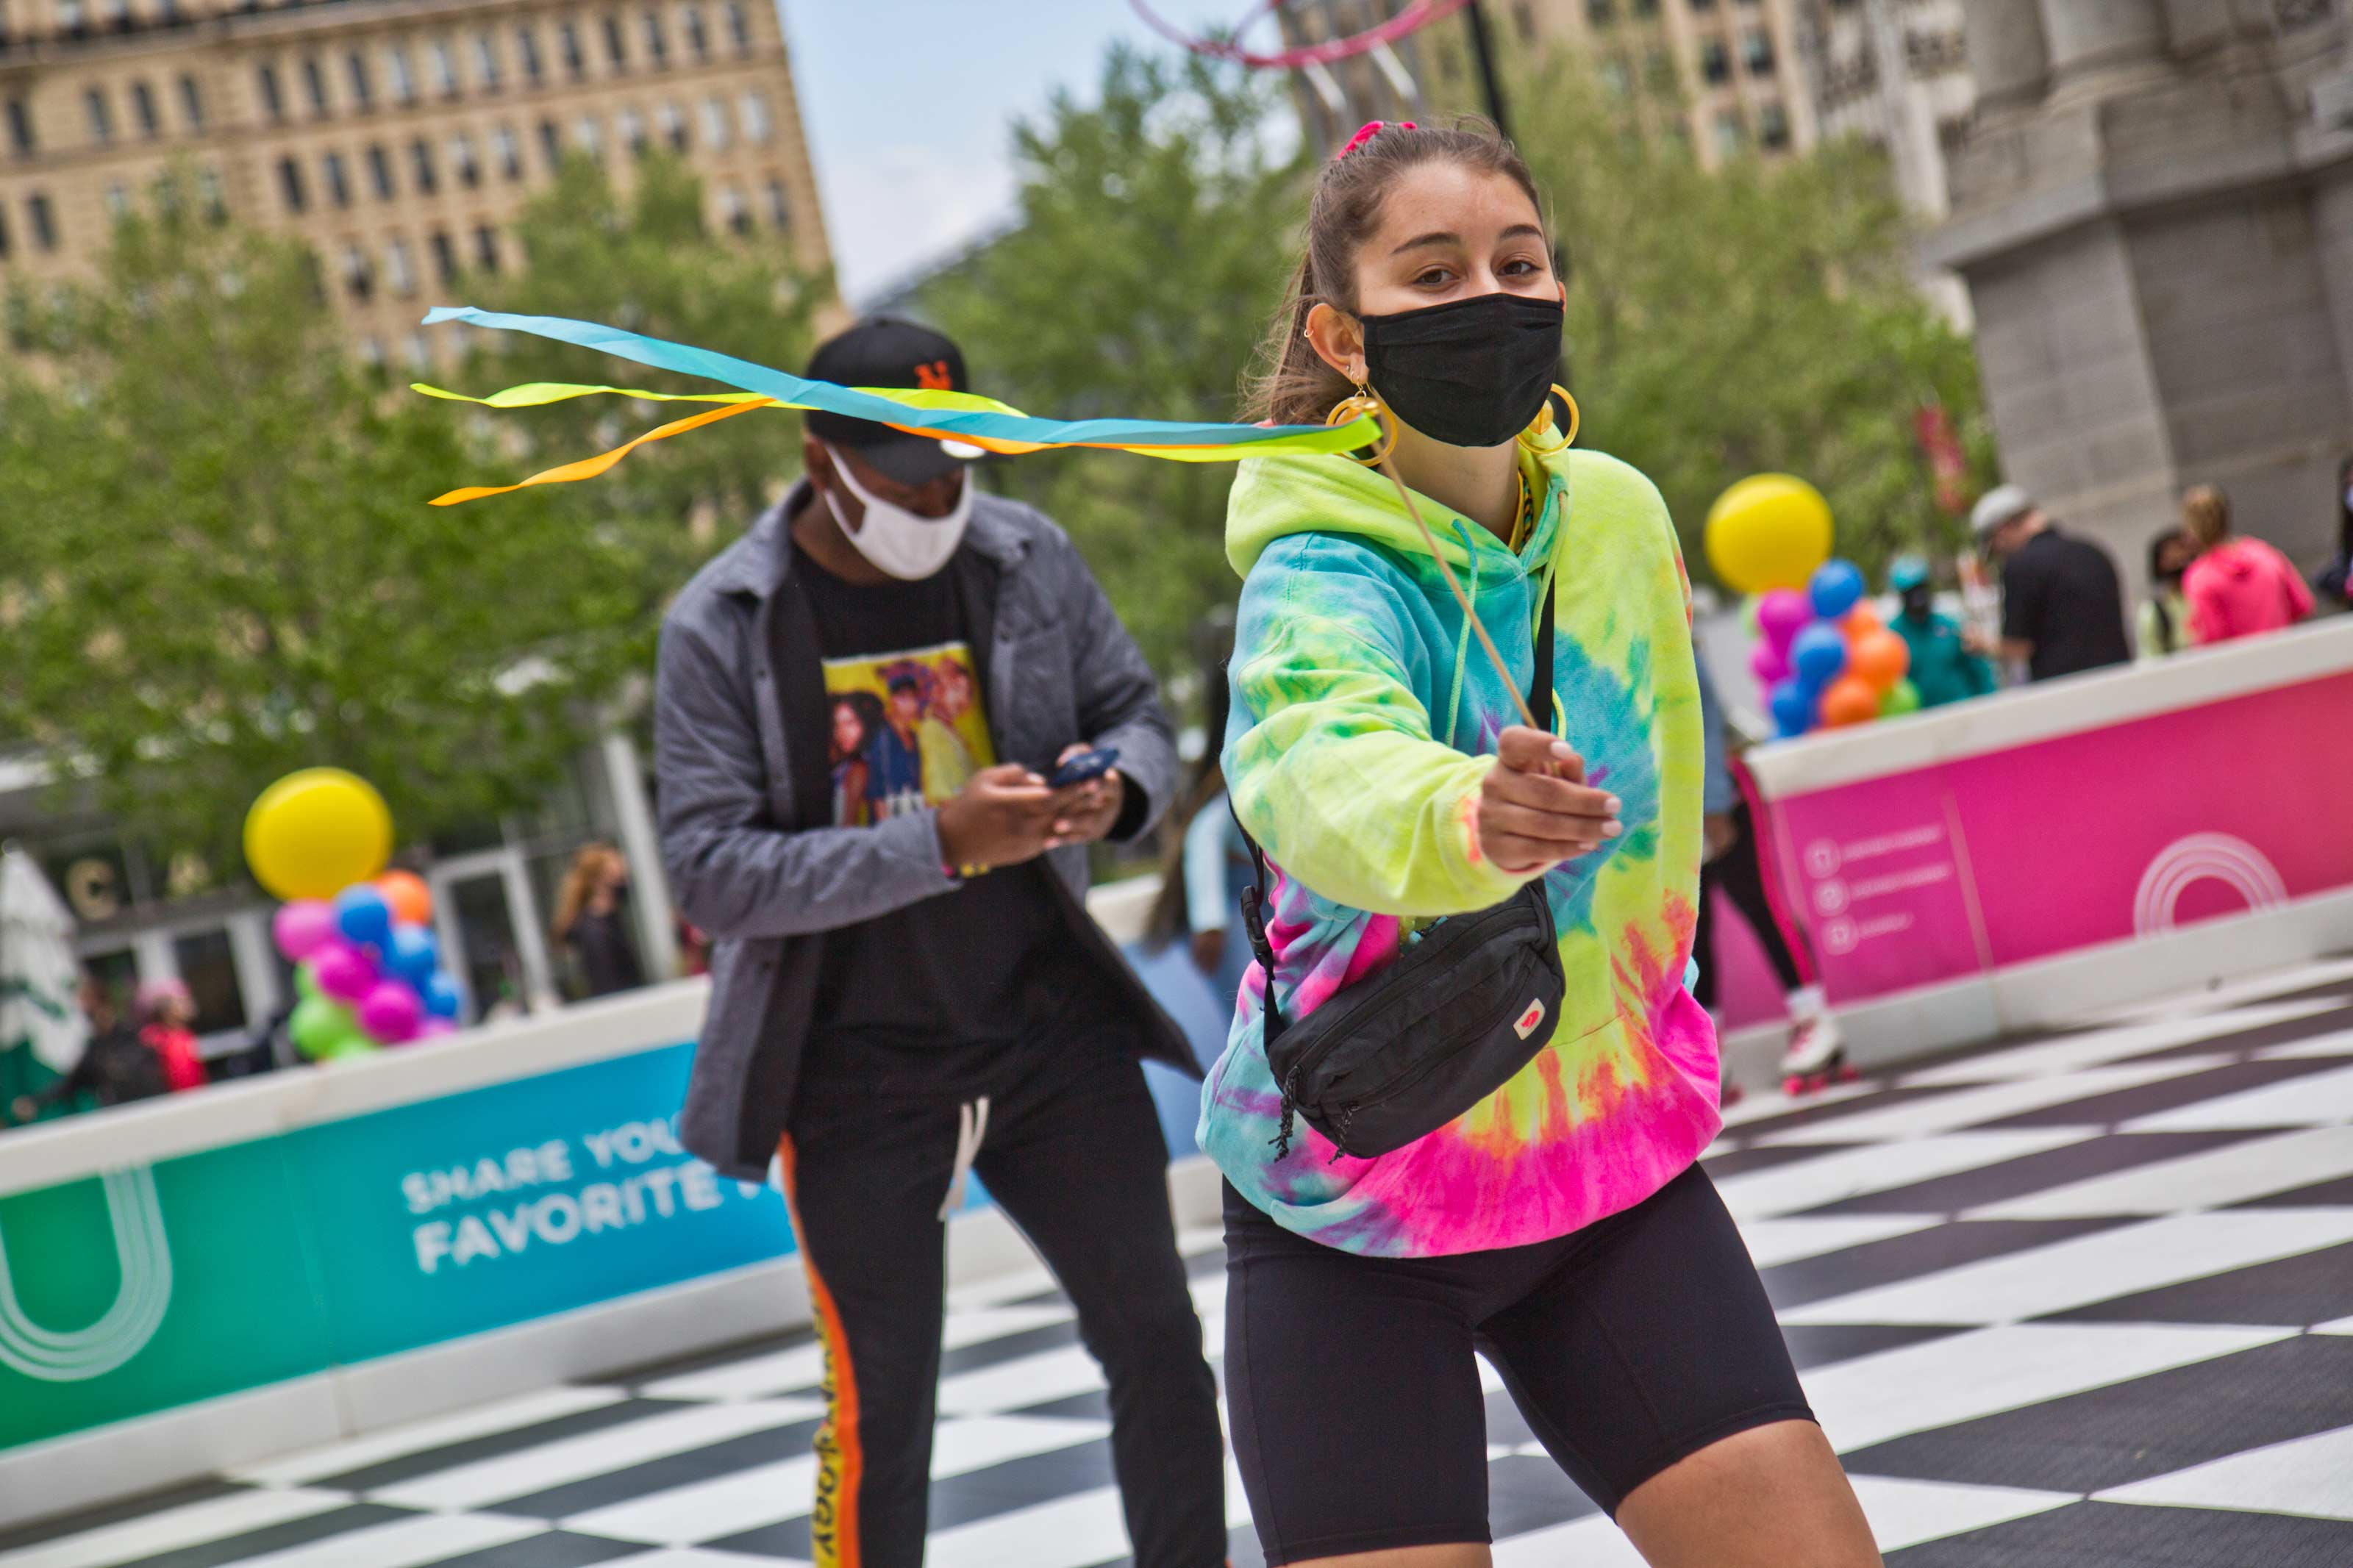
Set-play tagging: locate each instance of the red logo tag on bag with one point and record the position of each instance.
(1526, 1023)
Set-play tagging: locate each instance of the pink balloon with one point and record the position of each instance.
(1769, 664)
(343, 972)
(391, 1012)
(432, 1027)
(302, 927)
(1782, 615)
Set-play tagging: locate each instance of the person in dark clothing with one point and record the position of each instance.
(905, 985)
(2335, 582)
(2061, 607)
(592, 922)
(116, 1067)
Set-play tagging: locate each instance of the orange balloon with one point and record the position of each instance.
(1850, 700)
(1861, 621)
(1879, 656)
(411, 899)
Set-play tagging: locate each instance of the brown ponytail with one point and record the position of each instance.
(1293, 384)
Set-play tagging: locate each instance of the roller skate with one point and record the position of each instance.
(1817, 1055)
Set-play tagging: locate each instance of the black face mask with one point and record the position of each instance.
(1917, 603)
(1470, 372)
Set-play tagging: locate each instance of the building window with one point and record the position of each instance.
(70, 19)
(733, 213)
(617, 44)
(399, 276)
(355, 67)
(21, 140)
(41, 221)
(575, 62)
(273, 106)
(421, 354)
(1729, 134)
(314, 87)
(486, 62)
(443, 64)
(486, 247)
(380, 172)
(403, 76)
(1715, 62)
(1646, 8)
(445, 257)
(588, 136)
(1757, 51)
(657, 41)
(289, 184)
(339, 188)
(1601, 12)
(461, 159)
(754, 108)
(359, 278)
(527, 52)
(550, 144)
(142, 109)
(101, 116)
(633, 128)
(780, 209)
(739, 27)
(209, 194)
(118, 202)
(1773, 126)
(372, 353)
(1703, 5)
(1613, 77)
(1658, 70)
(510, 152)
(671, 126)
(166, 191)
(118, 14)
(420, 163)
(715, 128)
(698, 42)
(3, 234)
(192, 103)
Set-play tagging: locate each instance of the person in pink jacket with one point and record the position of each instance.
(2237, 587)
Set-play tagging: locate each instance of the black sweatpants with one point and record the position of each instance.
(1737, 872)
(1073, 1154)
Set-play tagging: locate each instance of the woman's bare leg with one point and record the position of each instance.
(1771, 1497)
(1468, 1554)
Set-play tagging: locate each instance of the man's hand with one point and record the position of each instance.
(1719, 835)
(1002, 816)
(23, 1108)
(1534, 810)
(1086, 812)
(1209, 950)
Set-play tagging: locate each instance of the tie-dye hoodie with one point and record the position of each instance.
(1364, 720)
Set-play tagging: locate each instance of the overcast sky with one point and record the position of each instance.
(907, 105)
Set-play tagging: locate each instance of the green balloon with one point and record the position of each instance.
(306, 981)
(320, 1026)
(1901, 698)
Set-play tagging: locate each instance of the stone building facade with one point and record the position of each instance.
(399, 138)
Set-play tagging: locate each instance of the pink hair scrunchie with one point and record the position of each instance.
(1366, 133)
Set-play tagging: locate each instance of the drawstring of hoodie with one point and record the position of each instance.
(972, 1126)
(1462, 643)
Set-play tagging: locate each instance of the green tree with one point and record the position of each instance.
(1148, 257)
(217, 565)
(1760, 317)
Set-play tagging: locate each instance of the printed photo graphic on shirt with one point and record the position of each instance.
(907, 730)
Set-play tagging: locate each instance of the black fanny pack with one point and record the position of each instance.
(1463, 1007)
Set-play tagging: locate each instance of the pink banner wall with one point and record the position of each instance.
(1943, 871)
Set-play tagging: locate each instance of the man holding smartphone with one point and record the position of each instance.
(859, 708)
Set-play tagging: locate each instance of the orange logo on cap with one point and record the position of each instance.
(934, 377)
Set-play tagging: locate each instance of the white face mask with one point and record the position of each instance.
(908, 546)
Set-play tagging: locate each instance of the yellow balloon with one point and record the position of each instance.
(1769, 530)
(314, 833)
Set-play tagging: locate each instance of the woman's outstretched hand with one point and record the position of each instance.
(1534, 810)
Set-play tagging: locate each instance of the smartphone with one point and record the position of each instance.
(1084, 766)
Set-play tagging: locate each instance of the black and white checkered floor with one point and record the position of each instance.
(2086, 1300)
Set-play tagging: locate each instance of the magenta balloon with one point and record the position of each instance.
(343, 972)
(1769, 665)
(1782, 615)
(302, 927)
(433, 1025)
(391, 1012)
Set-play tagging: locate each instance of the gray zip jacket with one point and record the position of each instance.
(739, 722)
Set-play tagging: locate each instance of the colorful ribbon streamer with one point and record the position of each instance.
(965, 417)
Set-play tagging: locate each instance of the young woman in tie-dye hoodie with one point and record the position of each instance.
(1561, 1226)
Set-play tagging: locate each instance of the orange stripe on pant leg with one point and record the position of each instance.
(840, 1456)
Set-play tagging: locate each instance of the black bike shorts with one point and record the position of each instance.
(1357, 1418)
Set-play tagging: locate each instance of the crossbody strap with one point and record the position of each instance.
(1254, 905)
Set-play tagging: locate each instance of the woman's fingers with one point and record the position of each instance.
(1527, 750)
(1560, 836)
(1559, 796)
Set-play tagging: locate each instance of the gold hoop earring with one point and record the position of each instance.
(1359, 404)
(1544, 420)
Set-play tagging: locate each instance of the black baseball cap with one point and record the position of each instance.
(886, 351)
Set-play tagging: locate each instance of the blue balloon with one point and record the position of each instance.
(441, 994)
(412, 953)
(1819, 656)
(363, 916)
(1793, 708)
(1837, 587)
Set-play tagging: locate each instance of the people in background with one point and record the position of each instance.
(2335, 579)
(2165, 614)
(2238, 586)
(116, 1067)
(1944, 668)
(592, 923)
(2061, 608)
(166, 1012)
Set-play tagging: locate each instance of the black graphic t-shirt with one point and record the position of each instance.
(973, 973)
